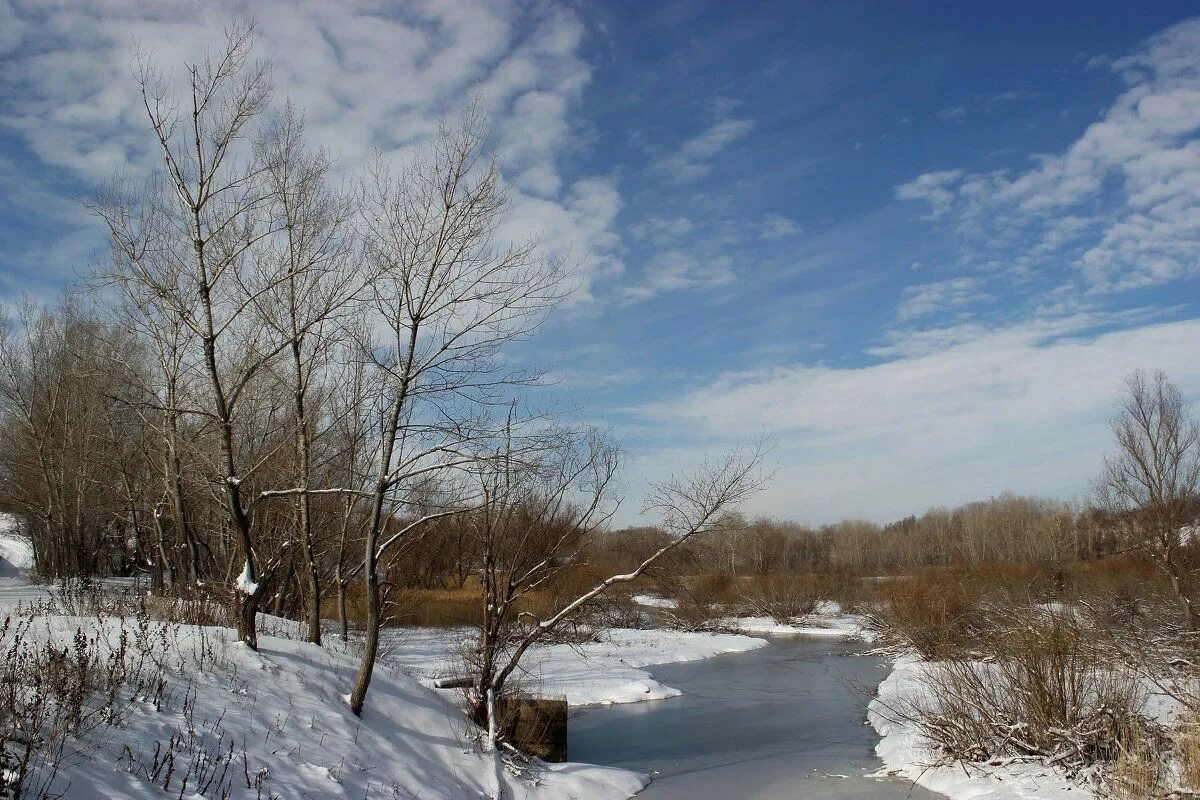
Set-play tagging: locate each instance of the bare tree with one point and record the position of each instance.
(1152, 482)
(446, 298)
(303, 308)
(195, 245)
(541, 499)
(540, 508)
(70, 441)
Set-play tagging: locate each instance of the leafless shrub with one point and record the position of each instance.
(87, 597)
(198, 759)
(701, 601)
(937, 619)
(1044, 694)
(785, 598)
(54, 689)
(190, 607)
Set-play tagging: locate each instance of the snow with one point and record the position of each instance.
(16, 561)
(602, 672)
(283, 705)
(827, 620)
(246, 584)
(16, 554)
(653, 601)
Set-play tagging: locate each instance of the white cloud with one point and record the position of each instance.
(909, 343)
(1140, 161)
(930, 298)
(691, 160)
(661, 230)
(934, 188)
(369, 76)
(1021, 408)
(578, 228)
(777, 226)
(674, 270)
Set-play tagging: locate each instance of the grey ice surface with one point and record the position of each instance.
(777, 723)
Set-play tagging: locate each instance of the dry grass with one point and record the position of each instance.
(1138, 772)
(410, 608)
(1187, 744)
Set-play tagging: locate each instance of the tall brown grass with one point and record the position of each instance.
(1187, 745)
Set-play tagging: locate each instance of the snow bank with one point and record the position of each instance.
(16, 554)
(282, 706)
(905, 752)
(653, 601)
(827, 620)
(595, 673)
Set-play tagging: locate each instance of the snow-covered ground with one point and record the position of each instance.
(16, 561)
(907, 753)
(653, 601)
(284, 707)
(828, 620)
(16, 556)
(606, 671)
(282, 710)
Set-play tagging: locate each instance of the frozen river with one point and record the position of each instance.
(777, 723)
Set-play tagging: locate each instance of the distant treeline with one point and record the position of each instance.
(1004, 528)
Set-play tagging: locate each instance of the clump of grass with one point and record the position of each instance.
(1138, 772)
(1187, 745)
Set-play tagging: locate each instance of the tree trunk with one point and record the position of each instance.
(343, 620)
(303, 457)
(362, 680)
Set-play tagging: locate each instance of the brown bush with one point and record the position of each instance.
(1045, 693)
(937, 618)
(784, 598)
(848, 590)
(702, 601)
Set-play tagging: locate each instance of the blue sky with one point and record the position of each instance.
(918, 245)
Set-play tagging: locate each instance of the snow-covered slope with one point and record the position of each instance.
(281, 712)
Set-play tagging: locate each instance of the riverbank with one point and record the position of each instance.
(412, 738)
(607, 669)
(907, 753)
